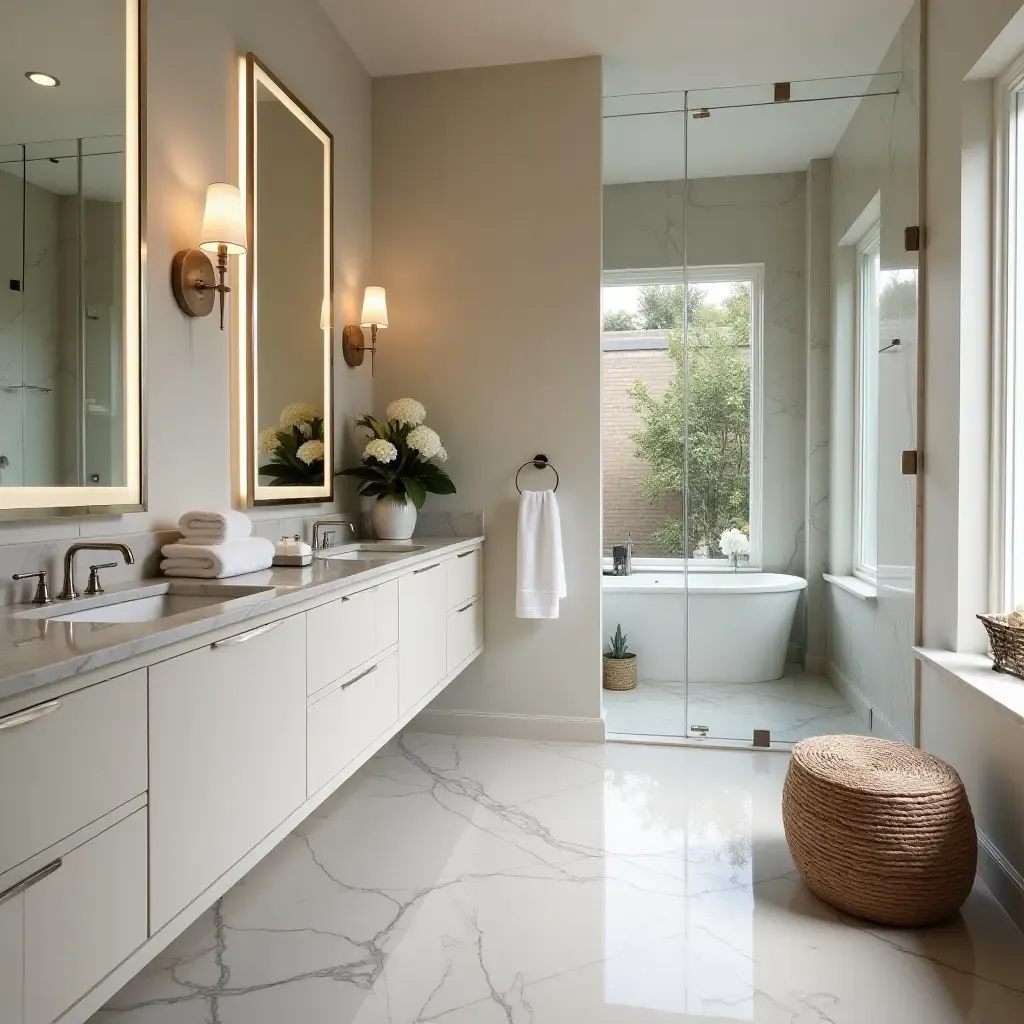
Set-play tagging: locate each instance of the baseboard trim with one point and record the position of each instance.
(1004, 881)
(517, 727)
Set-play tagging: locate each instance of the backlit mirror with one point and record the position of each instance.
(70, 254)
(288, 315)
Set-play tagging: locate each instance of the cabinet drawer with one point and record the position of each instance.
(465, 573)
(67, 762)
(85, 918)
(12, 959)
(340, 636)
(342, 724)
(227, 728)
(465, 633)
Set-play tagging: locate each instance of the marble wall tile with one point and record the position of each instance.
(449, 524)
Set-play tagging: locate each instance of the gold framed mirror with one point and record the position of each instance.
(72, 242)
(285, 287)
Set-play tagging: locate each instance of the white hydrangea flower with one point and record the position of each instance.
(381, 450)
(407, 411)
(299, 414)
(425, 441)
(442, 454)
(268, 441)
(310, 452)
(734, 542)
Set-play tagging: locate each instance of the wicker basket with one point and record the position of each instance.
(1007, 644)
(620, 673)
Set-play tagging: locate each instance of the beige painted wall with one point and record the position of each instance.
(487, 236)
(188, 410)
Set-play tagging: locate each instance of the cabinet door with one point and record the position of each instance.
(227, 756)
(85, 918)
(422, 634)
(12, 957)
(465, 633)
(340, 637)
(465, 578)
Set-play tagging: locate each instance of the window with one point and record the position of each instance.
(1008, 435)
(865, 526)
(646, 415)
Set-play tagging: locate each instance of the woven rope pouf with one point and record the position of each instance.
(879, 829)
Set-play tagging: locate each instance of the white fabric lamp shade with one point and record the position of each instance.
(375, 308)
(224, 220)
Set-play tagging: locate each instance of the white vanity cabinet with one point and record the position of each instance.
(227, 730)
(86, 917)
(422, 633)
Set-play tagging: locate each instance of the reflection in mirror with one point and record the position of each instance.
(69, 259)
(291, 318)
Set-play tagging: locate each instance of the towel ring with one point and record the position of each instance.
(538, 462)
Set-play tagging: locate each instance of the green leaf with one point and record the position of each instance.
(416, 491)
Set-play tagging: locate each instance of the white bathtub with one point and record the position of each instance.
(739, 623)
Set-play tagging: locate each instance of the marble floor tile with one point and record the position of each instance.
(481, 880)
(793, 708)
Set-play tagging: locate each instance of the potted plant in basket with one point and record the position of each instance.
(401, 464)
(619, 663)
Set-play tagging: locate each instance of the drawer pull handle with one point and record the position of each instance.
(24, 717)
(27, 883)
(353, 597)
(362, 675)
(466, 554)
(242, 637)
(416, 572)
(465, 608)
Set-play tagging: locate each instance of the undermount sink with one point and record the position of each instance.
(149, 606)
(372, 551)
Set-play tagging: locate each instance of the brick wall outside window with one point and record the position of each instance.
(625, 508)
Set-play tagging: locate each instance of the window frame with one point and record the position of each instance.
(865, 453)
(1006, 557)
(611, 341)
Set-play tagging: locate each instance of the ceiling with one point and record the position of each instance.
(651, 46)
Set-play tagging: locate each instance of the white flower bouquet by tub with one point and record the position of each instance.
(295, 447)
(403, 457)
(735, 544)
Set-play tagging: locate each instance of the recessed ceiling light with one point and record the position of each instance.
(42, 78)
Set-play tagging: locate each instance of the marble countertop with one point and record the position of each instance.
(36, 651)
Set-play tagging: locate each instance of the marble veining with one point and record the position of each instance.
(793, 708)
(36, 651)
(473, 880)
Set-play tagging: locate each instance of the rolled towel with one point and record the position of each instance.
(215, 561)
(210, 526)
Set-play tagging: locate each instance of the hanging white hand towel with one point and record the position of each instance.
(540, 581)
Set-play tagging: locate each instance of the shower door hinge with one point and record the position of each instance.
(912, 239)
(702, 730)
(909, 462)
(762, 737)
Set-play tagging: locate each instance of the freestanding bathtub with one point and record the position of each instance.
(739, 623)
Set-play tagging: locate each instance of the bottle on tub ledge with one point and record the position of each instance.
(622, 557)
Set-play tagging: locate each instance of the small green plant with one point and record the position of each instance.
(617, 646)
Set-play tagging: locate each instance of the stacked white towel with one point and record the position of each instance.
(540, 582)
(215, 561)
(212, 526)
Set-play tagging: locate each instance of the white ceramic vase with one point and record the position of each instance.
(393, 517)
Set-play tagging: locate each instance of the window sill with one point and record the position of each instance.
(975, 671)
(860, 589)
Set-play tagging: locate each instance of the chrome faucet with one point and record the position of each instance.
(68, 592)
(319, 545)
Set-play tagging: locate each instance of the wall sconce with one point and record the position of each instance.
(192, 275)
(375, 314)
